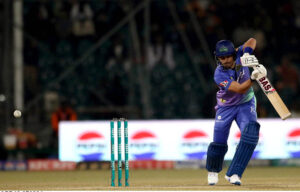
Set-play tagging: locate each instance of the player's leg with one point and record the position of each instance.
(218, 148)
(247, 112)
(214, 161)
(246, 120)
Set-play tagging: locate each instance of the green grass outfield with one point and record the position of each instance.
(256, 179)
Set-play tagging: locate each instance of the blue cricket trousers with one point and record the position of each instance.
(242, 114)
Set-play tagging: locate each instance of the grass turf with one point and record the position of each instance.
(256, 179)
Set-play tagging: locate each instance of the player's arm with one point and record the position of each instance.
(247, 59)
(240, 88)
(250, 43)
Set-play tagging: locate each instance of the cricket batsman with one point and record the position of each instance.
(235, 102)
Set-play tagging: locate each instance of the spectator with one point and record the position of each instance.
(63, 113)
(242, 33)
(82, 19)
(62, 24)
(288, 74)
(160, 51)
(18, 139)
(119, 55)
(288, 82)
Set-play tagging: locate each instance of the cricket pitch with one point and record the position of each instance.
(254, 179)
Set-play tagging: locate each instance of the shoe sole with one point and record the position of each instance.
(228, 179)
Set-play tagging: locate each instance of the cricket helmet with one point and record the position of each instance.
(224, 48)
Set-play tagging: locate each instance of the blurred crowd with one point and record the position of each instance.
(62, 59)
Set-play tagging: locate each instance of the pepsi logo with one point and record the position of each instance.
(194, 144)
(90, 146)
(143, 145)
(293, 143)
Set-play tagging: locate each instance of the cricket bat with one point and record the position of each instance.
(274, 98)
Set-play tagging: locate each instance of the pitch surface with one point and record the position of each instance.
(254, 179)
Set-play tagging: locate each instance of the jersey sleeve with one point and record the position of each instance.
(223, 80)
(246, 73)
(240, 51)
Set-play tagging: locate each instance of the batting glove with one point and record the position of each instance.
(258, 72)
(249, 60)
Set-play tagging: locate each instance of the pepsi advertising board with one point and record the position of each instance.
(174, 140)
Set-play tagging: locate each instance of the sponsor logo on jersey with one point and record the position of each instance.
(224, 83)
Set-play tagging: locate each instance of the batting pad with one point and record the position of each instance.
(215, 156)
(245, 149)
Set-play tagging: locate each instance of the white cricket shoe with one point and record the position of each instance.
(212, 178)
(234, 179)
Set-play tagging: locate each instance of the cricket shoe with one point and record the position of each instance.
(234, 179)
(212, 178)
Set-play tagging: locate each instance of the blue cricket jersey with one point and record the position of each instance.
(223, 78)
